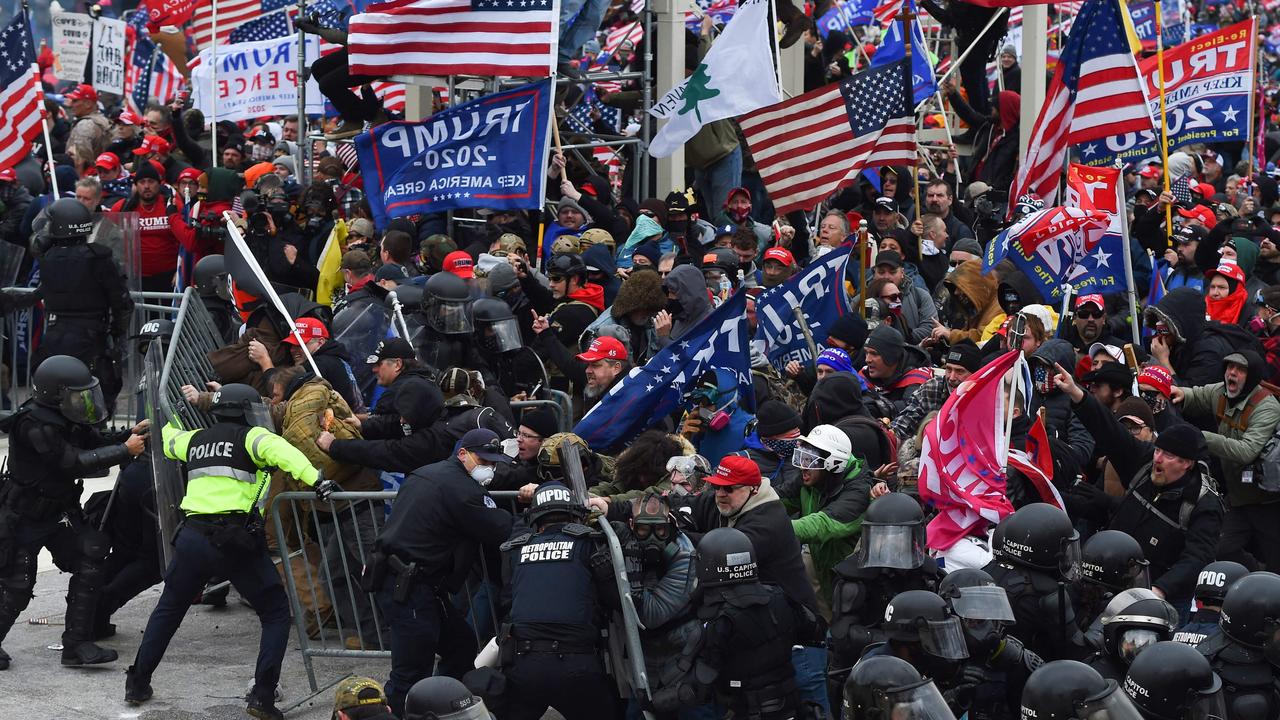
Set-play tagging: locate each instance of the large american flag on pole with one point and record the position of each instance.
(454, 37)
(1096, 92)
(20, 93)
(231, 15)
(963, 456)
(810, 146)
(149, 73)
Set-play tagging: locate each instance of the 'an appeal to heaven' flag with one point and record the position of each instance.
(810, 146)
(734, 78)
(1208, 86)
(488, 153)
(1057, 246)
(892, 49)
(20, 92)
(649, 393)
(255, 79)
(454, 37)
(1095, 92)
(818, 291)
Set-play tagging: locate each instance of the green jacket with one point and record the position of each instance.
(1236, 448)
(829, 519)
(216, 494)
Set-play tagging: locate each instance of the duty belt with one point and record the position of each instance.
(553, 646)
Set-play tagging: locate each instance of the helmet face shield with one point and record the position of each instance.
(807, 457)
(84, 405)
(944, 639)
(1114, 705)
(506, 335)
(889, 546)
(258, 414)
(1134, 641)
(922, 702)
(1069, 559)
(987, 602)
(451, 317)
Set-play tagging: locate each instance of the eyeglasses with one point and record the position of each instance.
(529, 436)
(1133, 427)
(895, 297)
(1089, 314)
(728, 489)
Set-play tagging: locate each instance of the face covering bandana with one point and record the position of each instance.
(781, 448)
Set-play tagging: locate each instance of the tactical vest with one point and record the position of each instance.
(759, 647)
(221, 451)
(69, 280)
(551, 581)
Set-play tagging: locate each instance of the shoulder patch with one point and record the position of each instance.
(516, 541)
(577, 530)
(489, 503)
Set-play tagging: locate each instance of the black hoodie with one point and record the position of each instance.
(385, 444)
(1200, 344)
(1060, 422)
(835, 397)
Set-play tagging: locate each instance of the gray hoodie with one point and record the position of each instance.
(687, 282)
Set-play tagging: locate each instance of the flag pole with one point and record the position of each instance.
(907, 14)
(956, 64)
(1164, 122)
(942, 109)
(304, 174)
(213, 92)
(1253, 111)
(48, 149)
(1132, 292)
(777, 50)
(863, 238)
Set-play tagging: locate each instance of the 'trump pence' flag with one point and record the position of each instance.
(1057, 246)
(963, 456)
(734, 78)
(649, 393)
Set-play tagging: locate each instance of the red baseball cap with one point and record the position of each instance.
(604, 348)
(1091, 299)
(735, 191)
(1201, 213)
(1150, 171)
(308, 328)
(1157, 378)
(150, 144)
(107, 161)
(780, 254)
(1228, 270)
(8, 175)
(189, 174)
(460, 263)
(736, 470)
(129, 117)
(83, 91)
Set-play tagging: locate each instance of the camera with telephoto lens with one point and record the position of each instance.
(989, 210)
(259, 219)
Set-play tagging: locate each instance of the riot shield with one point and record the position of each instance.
(626, 657)
(165, 473)
(574, 477)
(360, 329)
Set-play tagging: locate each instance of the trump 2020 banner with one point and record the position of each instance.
(818, 291)
(488, 153)
(254, 79)
(1208, 83)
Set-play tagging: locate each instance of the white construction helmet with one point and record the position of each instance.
(826, 447)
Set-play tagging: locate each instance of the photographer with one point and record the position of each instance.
(202, 231)
(275, 237)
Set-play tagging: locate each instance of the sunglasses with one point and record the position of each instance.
(895, 297)
(1089, 314)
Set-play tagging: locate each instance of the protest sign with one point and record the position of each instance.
(488, 153)
(255, 79)
(108, 56)
(72, 38)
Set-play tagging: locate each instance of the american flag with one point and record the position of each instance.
(1181, 190)
(613, 40)
(268, 27)
(149, 73)
(391, 94)
(963, 456)
(1095, 93)
(810, 146)
(231, 15)
(20, 92)
(887, 11)
(454, 37)
(579, 119)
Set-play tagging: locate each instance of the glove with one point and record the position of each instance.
(1087, 500)
(307, 25)
(324, 488)
(692, 425)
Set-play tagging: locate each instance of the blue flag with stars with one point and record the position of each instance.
(647, 394)
(923, 81)
(268, 27)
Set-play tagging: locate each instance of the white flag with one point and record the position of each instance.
(736, 77)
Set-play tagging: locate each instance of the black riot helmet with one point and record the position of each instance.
(554, 497)
(65, 383)
(237, 402)
(884, 687)
(1251, 613)
(496, 327)
(69, 219)
(443, 698)
(725, 557)
(159, 329)
(1039, 536)
(1114, 560)
(982, 605)
(567, 265)
(1071, 690)
(1215, 578)
(893, 534)
(1174, 681)
(212, 279)
(446, 304)
(1134, 621)
(920, 616)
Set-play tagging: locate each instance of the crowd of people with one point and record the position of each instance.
(776, 548)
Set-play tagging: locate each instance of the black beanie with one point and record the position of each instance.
(887, 341)
(850, 329)
(542, 422)
(146, 171)
(965, 354)
(775, 418)
(1180, 437)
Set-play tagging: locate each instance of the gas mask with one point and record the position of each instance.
(651, 526)
(715, 418)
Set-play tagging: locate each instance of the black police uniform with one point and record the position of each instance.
(48, 456)
(859, 598)
(1044, 617)
(551, 657)
(427, 548)
(1240, 652)
(1202, 626)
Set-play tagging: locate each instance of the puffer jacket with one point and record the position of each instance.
(980, 304)
(308, 398)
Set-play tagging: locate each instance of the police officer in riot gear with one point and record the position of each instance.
(443, 698)
(889, 559)
(1036, 554)
(445, 340)
(1071, 690)
(213, 284)
(989, 686)
(516, 368)
(1211, 588)
(1133, 621)
(227, 472)
(87, 303)
(742, 653)
(1171, 681)
(549, 650)
(1246, 654)
(53, 443)
(884, 687)
(921, 628)
(1110, 562)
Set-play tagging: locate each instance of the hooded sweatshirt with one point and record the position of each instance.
(599, 257)
(690, 288)
(1197, 355)
(980, 306)
(835, 397)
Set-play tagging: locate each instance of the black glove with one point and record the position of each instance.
(324, 488)
(308, 25)
(1088, 501)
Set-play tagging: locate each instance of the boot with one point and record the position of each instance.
(86, 653)
(82, 607)
(348, 129)
(214, 598)
(137, 689)
(263, 709)
(4, 659)
(103, 630)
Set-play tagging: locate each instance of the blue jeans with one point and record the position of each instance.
(717, 179)
(419, 626)
(810, 664)
(576, 31)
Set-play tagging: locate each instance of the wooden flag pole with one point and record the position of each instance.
(1164, 122)
(864, 237)
(214, 160)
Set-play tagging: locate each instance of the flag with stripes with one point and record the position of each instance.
(720, 10)
(268, 27)
(20, 93)
(391, 94)
(618, 34)
(231, 15)
(810, 146)
(1096, 92)
(887, 11)
(149, 74)
(580, 120)
(1180, 188)
(454, 37)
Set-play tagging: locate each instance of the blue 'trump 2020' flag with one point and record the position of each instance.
(818, 291)
(488, 153)
(649, 393)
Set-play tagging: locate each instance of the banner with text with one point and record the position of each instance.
(108, 56)
(488, 153)
(254, 79)
(72, 38)
(818, 293)
(1208, 85)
